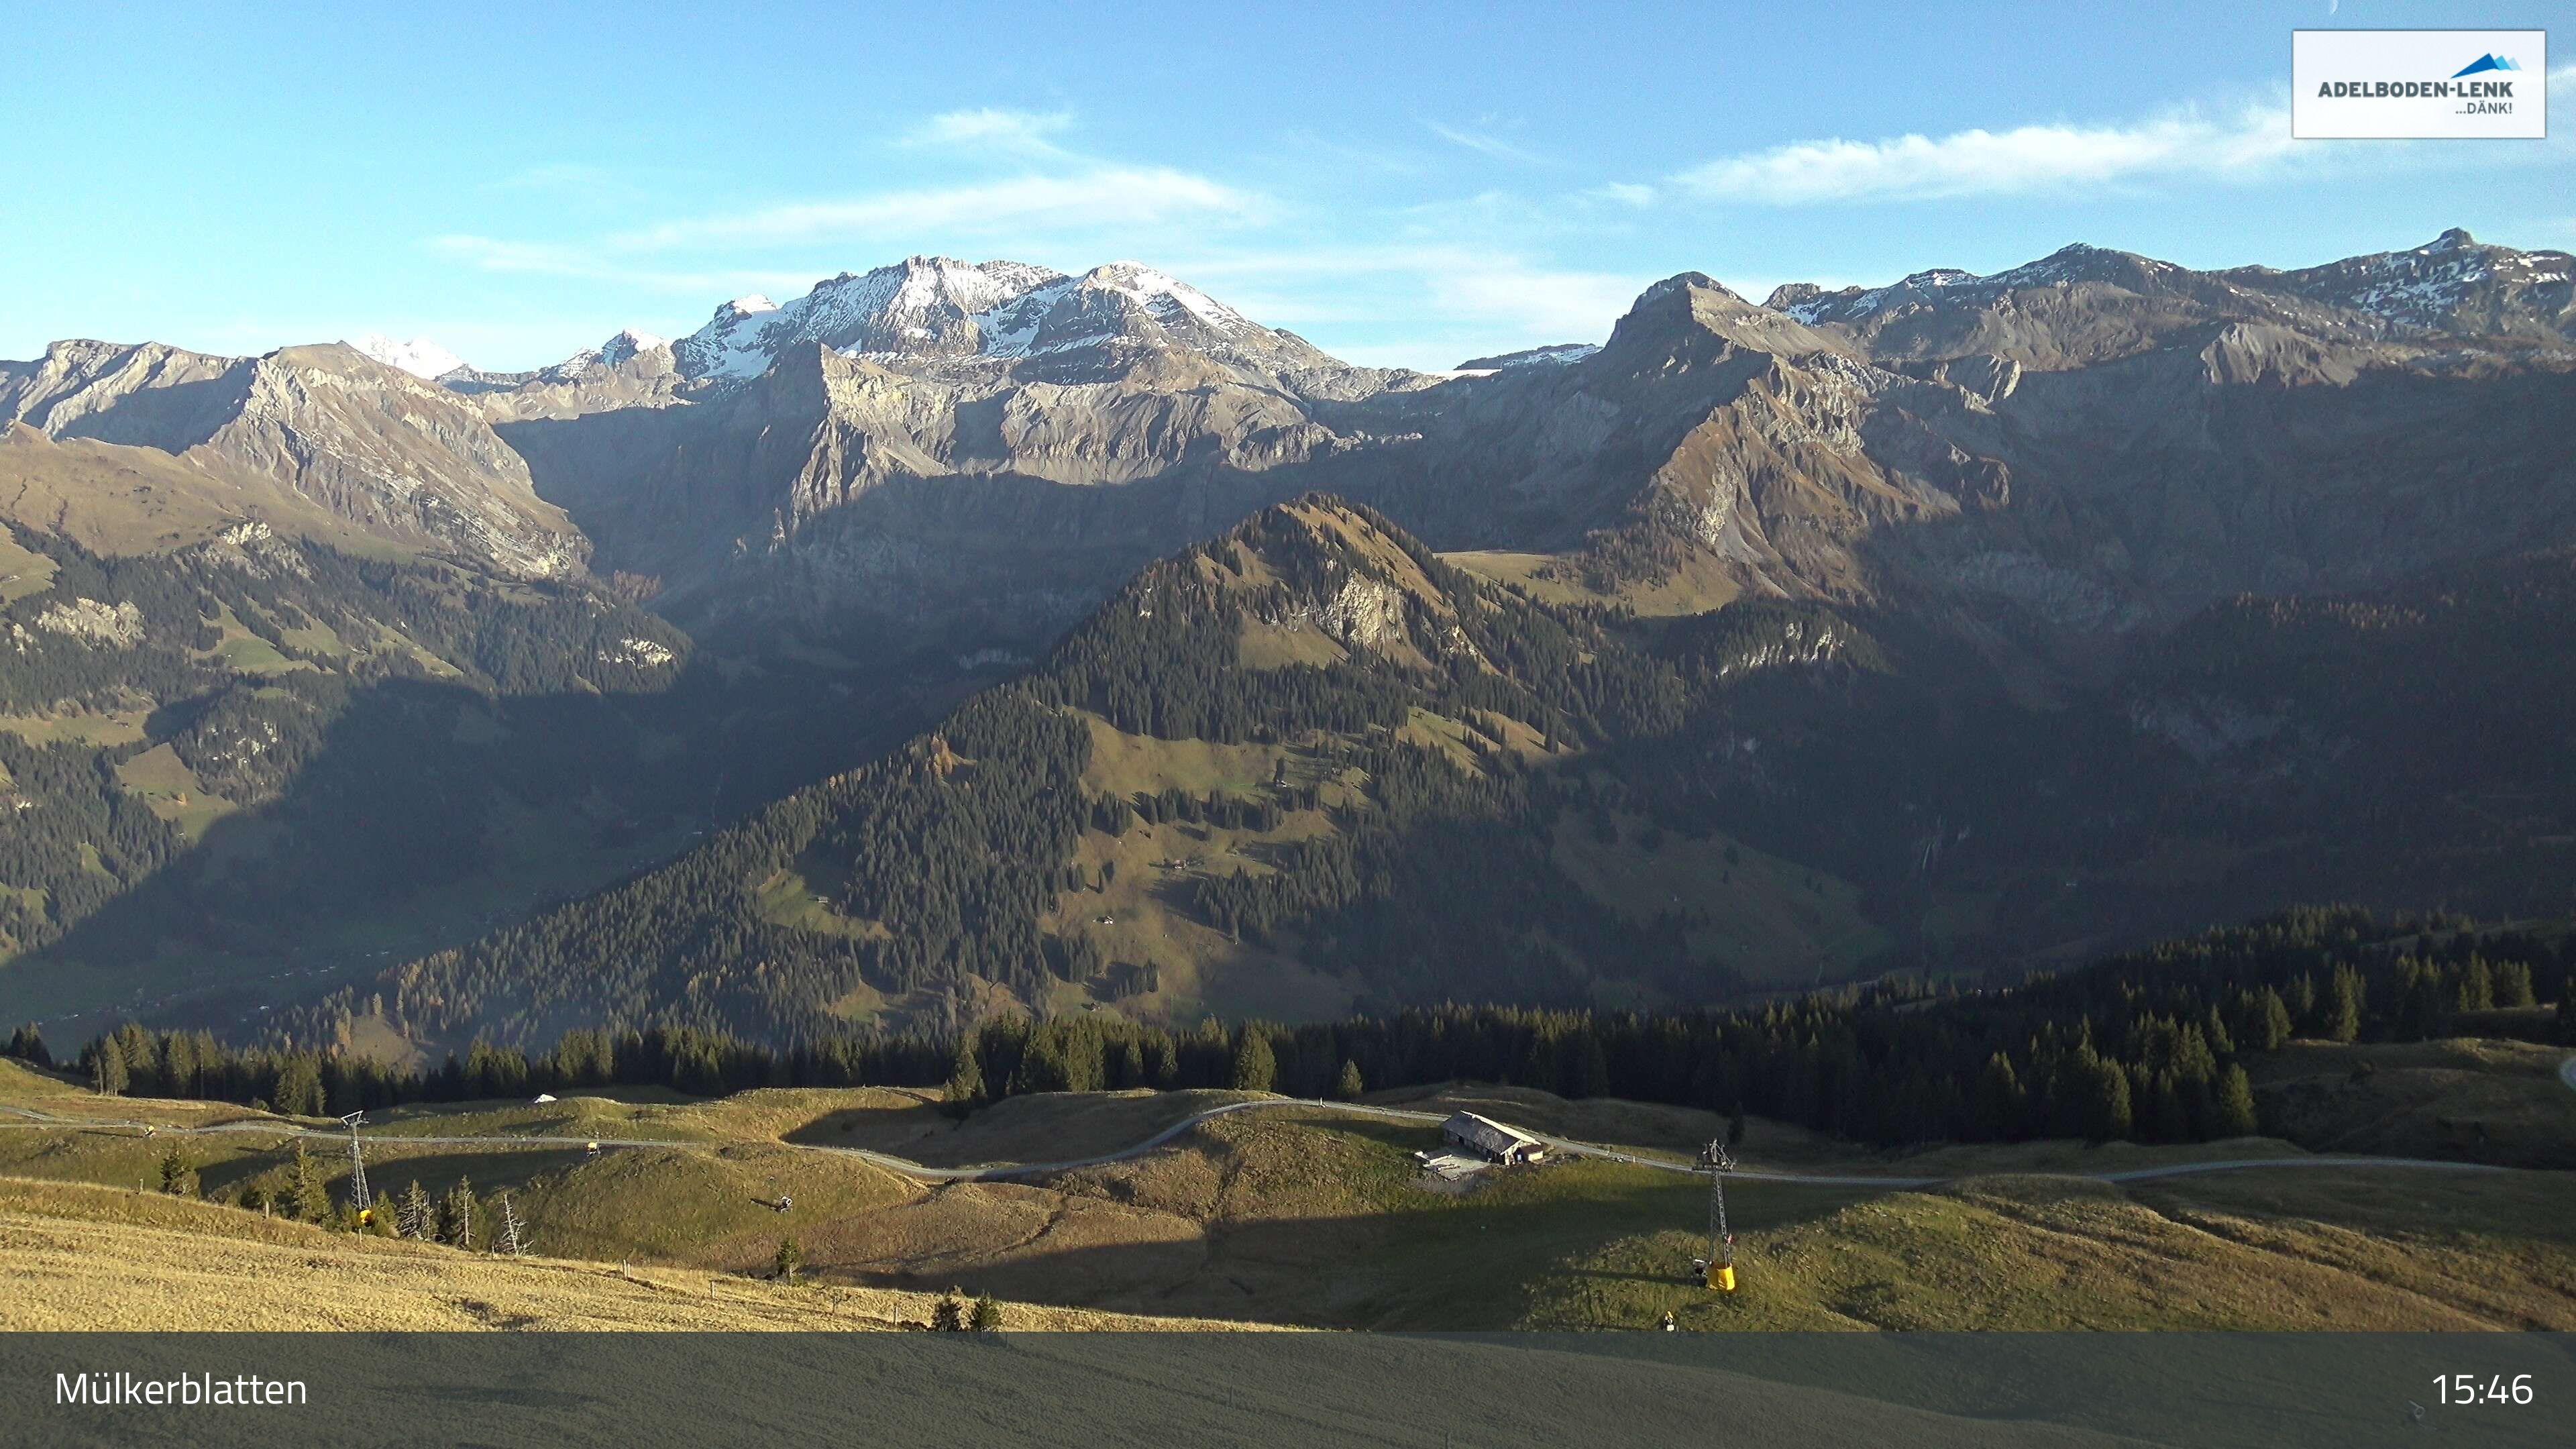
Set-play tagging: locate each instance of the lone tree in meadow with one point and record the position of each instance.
(790, 1258)
(177, 1178)
(949, 1314)
(1349, 1087)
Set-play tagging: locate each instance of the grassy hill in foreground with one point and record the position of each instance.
(1291, 1215)
(88, 1258)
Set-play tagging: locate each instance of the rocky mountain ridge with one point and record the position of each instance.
(367, 442)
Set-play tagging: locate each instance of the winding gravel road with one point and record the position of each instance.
(1000, 1171)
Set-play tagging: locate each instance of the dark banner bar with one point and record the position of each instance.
(2209, 1391)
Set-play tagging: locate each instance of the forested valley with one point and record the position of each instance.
(1458, 777)
(258, 758)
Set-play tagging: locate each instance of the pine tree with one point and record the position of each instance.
(2236, 1115)
(2477, 986)
(2513, 983)
(177, 1178)
(789, 1258)
(1735, 1127)
(1348, 1087)
(1256, 1067)
(949, 1314)
(988, 1314)
(107, 1074)
(2001, 1103)
(307, 1200)
(2343, 1005)
(2272, 1020)
(27, 1044)
(299, 1087)
(413, 1217)
(456, 1216)
(965, 1080)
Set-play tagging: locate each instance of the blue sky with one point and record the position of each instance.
(518, 182)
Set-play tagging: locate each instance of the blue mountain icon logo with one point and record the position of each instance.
(2484, 63)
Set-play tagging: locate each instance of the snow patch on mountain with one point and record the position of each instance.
(420, 357)
(2427, 286)
(939, 309)
(1559, 354)
(2066, 266)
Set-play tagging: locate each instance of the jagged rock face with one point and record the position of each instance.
(2085, 304)
(940, 316)
(2452, 284)
(2087, 444)
(396, 456)
(630, 370)
(920, 307)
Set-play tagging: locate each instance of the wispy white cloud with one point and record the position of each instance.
(2244, 144)
(992, 127)
(1486, 143)
(1626, 193)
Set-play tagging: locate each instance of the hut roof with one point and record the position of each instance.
(1487, 1135)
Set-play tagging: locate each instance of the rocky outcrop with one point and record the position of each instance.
(105, 626)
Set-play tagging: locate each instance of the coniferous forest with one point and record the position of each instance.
(2147, 1047)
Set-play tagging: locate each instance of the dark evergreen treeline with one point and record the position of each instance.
(2146, 1047)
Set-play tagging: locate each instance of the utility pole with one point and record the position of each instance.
(1717, 1270)
(360, 1200)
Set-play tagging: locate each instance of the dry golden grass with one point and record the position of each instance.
(79, 1257)
(1300, 1215)
(2475, 1100)
(2315, 1249)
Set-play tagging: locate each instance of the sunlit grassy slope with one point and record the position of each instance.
(1300, 1216)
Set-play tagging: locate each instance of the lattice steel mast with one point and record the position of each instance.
(1718, 1268)
(360, 1200)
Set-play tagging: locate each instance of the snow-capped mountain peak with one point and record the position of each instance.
(420, 357)
(939, 309)
(2452, 281)
(1165, 295)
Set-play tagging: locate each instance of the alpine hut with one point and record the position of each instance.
(1488, 1138)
